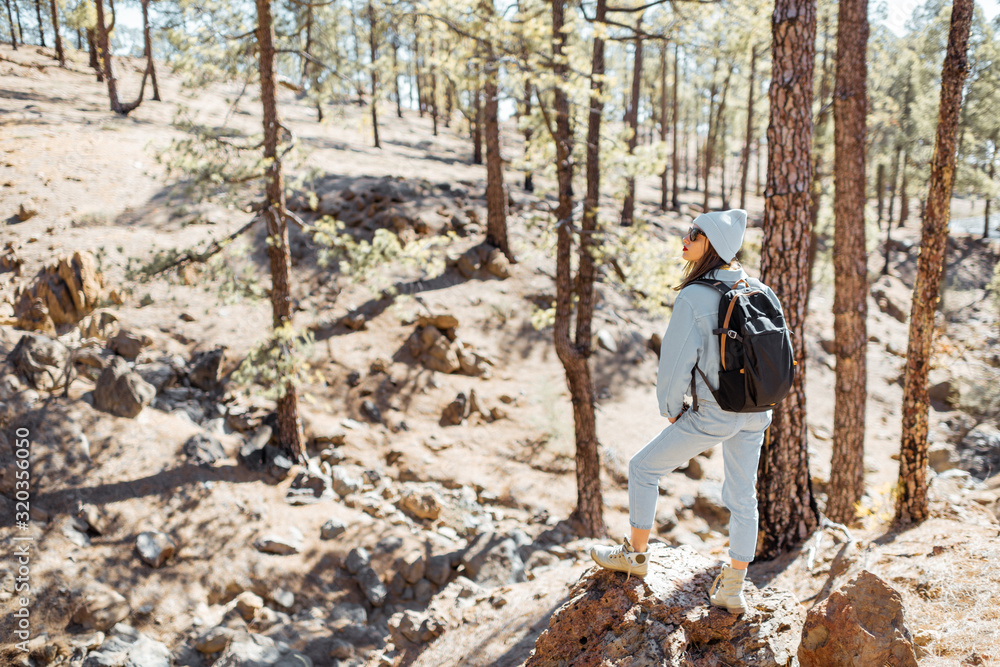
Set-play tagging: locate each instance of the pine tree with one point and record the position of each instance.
(850, 306)
(788, 513)
(912, 501)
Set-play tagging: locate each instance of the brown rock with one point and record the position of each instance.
(27, 210)
(100, 607)
(456, 411)
(100, 324)
(860, 624)
(666, 619)
(129, 344)
(42, 362)
(441, 322)
(248, 605)
(469, 263)
(121, 391)
(70, 289)
(422, 503)
(498, 264)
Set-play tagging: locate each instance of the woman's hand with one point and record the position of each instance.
(683, 410)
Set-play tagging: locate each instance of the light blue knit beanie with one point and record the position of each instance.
(724, 230)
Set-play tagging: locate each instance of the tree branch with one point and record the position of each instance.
(214, 248)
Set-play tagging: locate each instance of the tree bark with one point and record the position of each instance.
(904, 198)
(60, 54)
(395, 73)
(529, 183)
(720, 140)
(373, 47)
(496, 191)
(912, 500)
(94, 62)
(663, 122)
(674, 201)
(41, 24)
(880, 191)
(850, 260)
(104, 57)
(748, 139)
(477, 126)
(706, 153)
(575, 354)
(434, 104)
(819, 139)
(892, 185)
(992, 174)
(275, 217)
(788, 513)
(148, 48)
(10, 19)
(632, 122)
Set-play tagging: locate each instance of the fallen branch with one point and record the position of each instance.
(214, 248)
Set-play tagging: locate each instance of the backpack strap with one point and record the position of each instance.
(694, 391)
(719, 286)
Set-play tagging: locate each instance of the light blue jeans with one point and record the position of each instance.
(741, 435)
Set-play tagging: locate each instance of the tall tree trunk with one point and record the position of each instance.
(449, 102)
(276, 219)
(663, 122)
(632, 122)
(17, 14)
(41, 24)
(719, 141)
(418, 76)
(434, 103)
(904, 198)
(575, 354)
(892, 185)
(529, 183)
(760, 159)
(104, 54)
(674, 201)
(373, 48)
(94, 62)
(148, 49)
(395, 73)
(788, 513)
(706, 153)
(10, 19)
(880, 191)
(819, 139)
(477, 124)
(60, 54)
(748, 139)
(307, 49)
(912, 500)
(992, 174)
(850, 302)
(496, 191)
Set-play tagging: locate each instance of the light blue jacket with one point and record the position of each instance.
(689, 339)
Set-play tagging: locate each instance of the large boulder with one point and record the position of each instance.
(666, 619)
(121, 391)
(42, 362)
(860, 624)
(69, 289)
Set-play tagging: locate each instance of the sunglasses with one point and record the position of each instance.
(693, 234)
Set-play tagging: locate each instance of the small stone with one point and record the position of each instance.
(438, 569)
(421, 502)
(27, 210)
(340, 649)
(154, 548)
(456, 411)
(355, 322)
(281, 546)
(100, 607)
(248, 604)
(411, 566)
(372, 586)
(345, 482)
(283, 598)
(371, 412)
(332, 529)
(357, 558)
(694, 470)
(607, 341)
(129, 344)
(498, 264)
(204, 449)
(214, 640)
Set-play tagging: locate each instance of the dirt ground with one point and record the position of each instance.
(98, 186)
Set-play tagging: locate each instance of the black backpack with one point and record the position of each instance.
(757, 367)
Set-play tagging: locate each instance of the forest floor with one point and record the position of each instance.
(98, 186)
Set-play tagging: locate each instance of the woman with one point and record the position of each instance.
(710, 248)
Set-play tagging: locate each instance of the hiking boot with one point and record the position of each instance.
(727, 590)
(621, 558)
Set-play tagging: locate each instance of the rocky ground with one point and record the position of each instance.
(427, 527)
